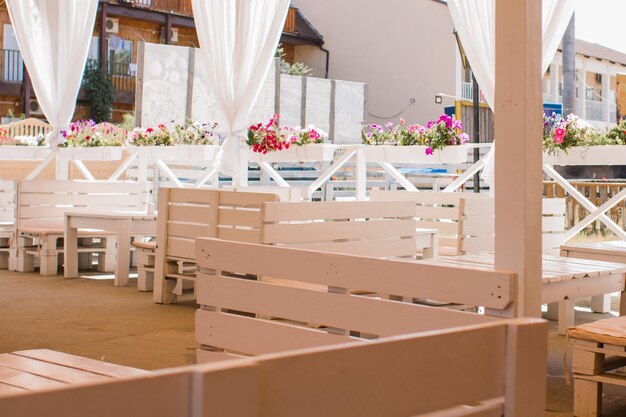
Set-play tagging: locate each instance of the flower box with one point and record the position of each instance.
(24, 153)
(457, 154)
(176, 152)
(593, 155)
(321, 152)
(96, 153)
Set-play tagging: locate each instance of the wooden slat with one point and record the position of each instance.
(483, 207)
(375, 248)
(368, 315)
(553, 206)
(189, 214)
(187, 230)
(374, 376)
(162, 394)
(415, 279)
(474, 244)
(246, 218)
(286, 211)
(239, 235)
(553, 224)
(9, 389)
(26, 380)
(180, 248)
(238, 198)
(86, 199)
(255, 336)
(47, 370)
(477, 226)
(191, 196)
(90, 365)
(430, 212)
(324, 231)
(72, 186)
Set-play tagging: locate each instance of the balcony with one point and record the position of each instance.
(12, 66)
(467, 92)
(184, 8)
(178, 7)
(122, 75)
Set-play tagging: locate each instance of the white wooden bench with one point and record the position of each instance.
(599, 251)
(326, 305)
(424, 374)
(466, 220)
(30, 127)
(381, 229)
(41, 205)
(599, 348)
(7, 224)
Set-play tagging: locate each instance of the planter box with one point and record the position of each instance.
(24, 153)
(593, 155)
(415, 154)
(176, 152)
(321, 152)
(100, 153)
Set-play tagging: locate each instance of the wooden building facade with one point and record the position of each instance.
(120, 26)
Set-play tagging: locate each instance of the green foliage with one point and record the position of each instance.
(128, 121)
(101, 92)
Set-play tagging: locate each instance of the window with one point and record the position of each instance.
(120, 55)
(13, 65)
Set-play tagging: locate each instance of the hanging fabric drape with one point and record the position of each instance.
(238, 40)
(53, 37)
(475, 22)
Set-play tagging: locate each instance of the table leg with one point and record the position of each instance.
(122, 258)
(70, 250)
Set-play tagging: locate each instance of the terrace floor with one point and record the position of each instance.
(92, 318)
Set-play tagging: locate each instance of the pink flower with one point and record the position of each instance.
(559, 135)
(402, 121)
(429, 151)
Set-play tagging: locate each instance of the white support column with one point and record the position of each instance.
(554, 82)
(581, 101)
(518, 124)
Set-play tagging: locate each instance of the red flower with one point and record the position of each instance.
(149, 130)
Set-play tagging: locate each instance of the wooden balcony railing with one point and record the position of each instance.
(184, 8)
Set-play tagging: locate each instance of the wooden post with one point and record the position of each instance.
(168, 28)
(518, 174)
(27, 92)
(103, 38)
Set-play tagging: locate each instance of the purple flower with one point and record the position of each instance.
(464, 138)
(389, 125)
(429, 151)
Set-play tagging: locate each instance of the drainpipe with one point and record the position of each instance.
(327, 52)
(27, 93)
(569, 69)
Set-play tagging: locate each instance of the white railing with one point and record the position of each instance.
(467, 92)
(595, 110)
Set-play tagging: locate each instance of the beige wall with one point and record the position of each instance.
(403, 49)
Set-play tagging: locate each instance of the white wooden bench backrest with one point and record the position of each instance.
(225, 290)
(493, 369)
(378, 229)
(185, 214)
(43, 203)
(466, 221)
(28, 127)
(7, 202)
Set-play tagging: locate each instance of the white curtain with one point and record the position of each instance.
(475, 22)
(238, 40)
(54, 37)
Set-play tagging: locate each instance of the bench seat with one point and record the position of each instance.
(33, 370)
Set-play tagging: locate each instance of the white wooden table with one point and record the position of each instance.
(564, 280)
(427, 242)
(123, 224)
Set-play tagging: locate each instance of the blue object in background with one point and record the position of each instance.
(449, 111)
(549, 108)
